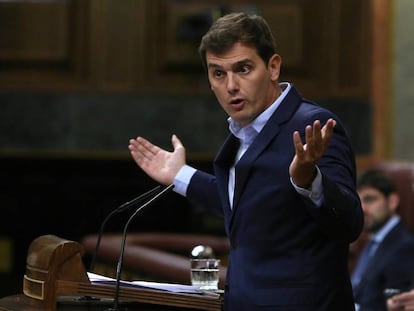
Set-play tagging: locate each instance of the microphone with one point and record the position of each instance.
(121, 256)
(118, 210)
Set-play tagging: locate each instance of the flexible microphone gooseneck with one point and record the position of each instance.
(118, 210)
(121, 256)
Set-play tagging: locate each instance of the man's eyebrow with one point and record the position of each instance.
(234, 65)
(242, 62)
(212, 65)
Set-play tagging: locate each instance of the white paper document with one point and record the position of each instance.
(176, 288)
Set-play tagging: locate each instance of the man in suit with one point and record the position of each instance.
(386, 263)
(284, 179)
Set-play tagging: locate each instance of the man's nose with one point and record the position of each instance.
(232, 83)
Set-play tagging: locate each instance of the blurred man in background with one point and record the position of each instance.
(387, 261)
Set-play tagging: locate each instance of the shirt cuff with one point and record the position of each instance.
(315, 193)
(182, 179)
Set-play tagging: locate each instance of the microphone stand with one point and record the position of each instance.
(118, 210)
(121, 256)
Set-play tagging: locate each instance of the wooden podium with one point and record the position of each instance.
(55, 272)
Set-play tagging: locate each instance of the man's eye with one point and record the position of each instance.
(218, 73)
(369, 198)
(245, 68)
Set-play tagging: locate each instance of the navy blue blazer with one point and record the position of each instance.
(285, 254)
(391, 266)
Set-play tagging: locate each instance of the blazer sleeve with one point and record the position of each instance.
(341, 213)
(202, 191)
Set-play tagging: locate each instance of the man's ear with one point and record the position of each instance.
(393, 201)
(274, 67)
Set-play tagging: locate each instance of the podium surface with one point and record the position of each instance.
(20, 303)
(56, 279)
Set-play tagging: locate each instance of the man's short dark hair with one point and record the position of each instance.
(250, 30)
(377, 179)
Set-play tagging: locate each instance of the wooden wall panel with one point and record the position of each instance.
(324, 44)
(353, 48)
(117, 44)
(179, 25)
(381, 77)
(42, 43)
(23, 29)
(144, 45)
(150, 47)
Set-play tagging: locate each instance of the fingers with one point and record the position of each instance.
(297, 142)
(317, 136)
(134, 144)
(140, 144)
(176, 142)
(403, 301)
(392, 305)
(142, 150)
(316, 140)
(317, 133)
(327, 131)
(313, 135)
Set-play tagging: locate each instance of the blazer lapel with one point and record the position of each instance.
(224, 160)
(270, 131)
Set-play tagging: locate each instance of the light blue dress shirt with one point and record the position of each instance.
(246, 135)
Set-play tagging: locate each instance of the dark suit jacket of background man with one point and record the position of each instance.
(286, 254)
(392, 267)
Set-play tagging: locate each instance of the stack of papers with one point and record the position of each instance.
(170, 287)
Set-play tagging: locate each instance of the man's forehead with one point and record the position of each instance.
(367, 190)
(232, 57)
